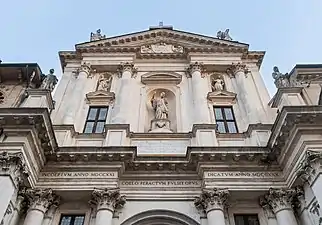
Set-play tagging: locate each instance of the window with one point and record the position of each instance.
(72, 220)
(225, 120)
(246, 219)
(95, 120)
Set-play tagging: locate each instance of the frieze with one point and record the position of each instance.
(160, 183)
(79, 175)
(242, 174)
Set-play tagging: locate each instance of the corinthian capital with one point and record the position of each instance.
(86, 68)
(195, 67)
(40, 199)
(127, 66)
(280, 199)
(13, 164)
(236, 68)
(310, 165)
(108, 199)
(212, 199)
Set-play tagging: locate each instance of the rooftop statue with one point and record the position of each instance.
(281, 80)
(224, 35)
(49, 81)
(97, 36)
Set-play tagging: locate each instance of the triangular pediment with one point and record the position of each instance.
(157, 36)
(100, 97)
(222, 97)
(161, 78)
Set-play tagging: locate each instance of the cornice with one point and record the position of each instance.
(277, 97)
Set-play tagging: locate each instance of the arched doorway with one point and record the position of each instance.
(160, 217)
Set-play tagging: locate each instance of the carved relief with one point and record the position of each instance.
(212, 199)
(104, 82)
(161, 48)
(108, 198)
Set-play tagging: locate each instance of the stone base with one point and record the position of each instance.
(160, 126)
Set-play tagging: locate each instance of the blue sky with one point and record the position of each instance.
(288, 30)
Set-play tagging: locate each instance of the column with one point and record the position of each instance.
(76, 90)
(39, 201)
(106, 201)
(199, 91)
(12, 172)
(280, 201)
(310, 172)
(271, 219)
(50, 214)
(17, 210)
(302, 211)
(122, 110)
(238, 72)
(214, 202)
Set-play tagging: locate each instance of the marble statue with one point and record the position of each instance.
(281, 80)
(104, 83)
(160, 106)
(49, 81)
(217, 84)
(97, 36)
(224, 35)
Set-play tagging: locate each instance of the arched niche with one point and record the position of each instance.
(171, 98)
(160, 217)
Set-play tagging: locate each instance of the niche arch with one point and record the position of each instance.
(172, 105)
(160, 217)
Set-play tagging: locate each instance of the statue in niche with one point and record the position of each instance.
(97, 36)
(224, 35)
(160, 106)
(281, 80)
(104, 83)
(217, 84)
(49, 81)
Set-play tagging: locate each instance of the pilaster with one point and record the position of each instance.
(126, 67)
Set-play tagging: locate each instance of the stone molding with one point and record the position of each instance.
(127, 66)
(193, 67)
(40, 199)
(236, 68)
(107, 199)
(212, 199)
(161, 77)
(282, 199)
(13, 164)
(309, 167)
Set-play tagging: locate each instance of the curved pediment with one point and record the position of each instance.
(161, 78)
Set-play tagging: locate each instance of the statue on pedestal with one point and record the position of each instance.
(217, 84)
(104, 83)
(281, 80)
(160, 123)
(49, 81)
(97, 36)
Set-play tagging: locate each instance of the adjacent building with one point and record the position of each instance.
(160, 127)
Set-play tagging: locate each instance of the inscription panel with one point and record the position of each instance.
(160, 183)
(79, 175)
(242, 174)
(155, 147)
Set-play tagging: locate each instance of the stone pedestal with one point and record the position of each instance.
(106, 201)
(38, 98)
(39, 202)
(213, 202)
(160, 126)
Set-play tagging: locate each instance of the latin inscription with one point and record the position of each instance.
(79, 174)
(242, 174)
(161, 183)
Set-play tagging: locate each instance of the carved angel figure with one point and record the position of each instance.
(217, 84)
(97, 36)
(224, 35)
(160, 106)
(104, 83)
(49, 81)
(281, 80)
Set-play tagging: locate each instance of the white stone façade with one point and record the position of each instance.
(161, 156)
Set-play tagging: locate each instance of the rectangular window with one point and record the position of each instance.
(250, 219)
(72, 220)
(225, 119)
(95, 120)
